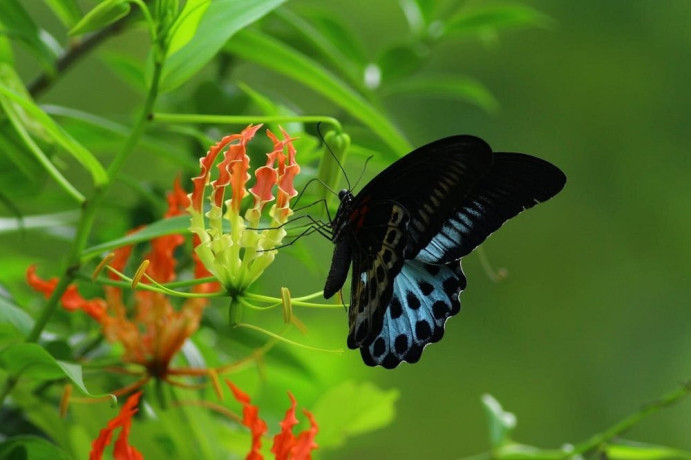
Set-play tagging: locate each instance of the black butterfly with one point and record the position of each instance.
(406, 231)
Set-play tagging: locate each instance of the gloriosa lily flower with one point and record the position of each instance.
(239, 257)
(286, 445)
(122, 449)
(155, 331)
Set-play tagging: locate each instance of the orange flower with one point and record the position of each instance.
(122, 449)
(286, 446)
(238, 258)
(250, 418)
(156, 331)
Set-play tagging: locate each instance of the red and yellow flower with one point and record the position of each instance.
(155, 331)
(286, 445)
(238, 257)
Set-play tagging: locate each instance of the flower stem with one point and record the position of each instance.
(88, 214)
(242, 119)
(619, 428)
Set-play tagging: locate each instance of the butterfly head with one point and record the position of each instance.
(345, 194)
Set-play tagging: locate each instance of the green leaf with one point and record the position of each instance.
(329, 37)
(98, 132)
(501, 423)
(400, 61)
(12, 314)
(515, 451)
(187, 23)
(627, 450)
(30, 448)
(273, 54)
(39, 221)
(128, 68)
(16, 23)
(461, 88)
(31, 360)
(178, 224)
(67, 11)
(417, 21)
(222, 19)
(20, 172)
(23, 112)
(351, 409)
(102, 15)
(6, 54)
(484, 20)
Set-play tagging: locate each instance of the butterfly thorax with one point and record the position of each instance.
(342, 220)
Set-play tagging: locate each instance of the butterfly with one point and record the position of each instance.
(405, 232)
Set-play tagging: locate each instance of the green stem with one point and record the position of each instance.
(242, 119)
(619, 428)
(88, 214)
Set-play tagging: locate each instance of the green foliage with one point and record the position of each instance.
(102, 15)
(32, 360)
(350, 409)
(86, 159)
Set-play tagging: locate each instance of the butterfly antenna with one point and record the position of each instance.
(321, 136)
(314, 179)
(364, 168)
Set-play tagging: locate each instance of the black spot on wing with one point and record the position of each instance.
(406, 331)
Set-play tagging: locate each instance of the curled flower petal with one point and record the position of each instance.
(162, 267)
(178, 201)
(285, 440)
(305, 442)
(250, 418)
(233, 170)
(123, 450)
(200, 182)
(71, 299)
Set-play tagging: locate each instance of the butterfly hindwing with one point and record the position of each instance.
(516, 182)
(424, 297)
(377, 259)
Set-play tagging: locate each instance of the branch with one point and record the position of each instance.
(77, 50)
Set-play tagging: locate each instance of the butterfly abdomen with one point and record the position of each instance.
(340, 263)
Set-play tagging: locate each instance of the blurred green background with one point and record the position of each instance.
(593, 320)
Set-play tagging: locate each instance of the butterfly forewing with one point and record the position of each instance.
(429, 182)
(516, 182)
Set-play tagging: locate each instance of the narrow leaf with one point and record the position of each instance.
(102, 15)
(21, 109)
(275, 55)
(626, 450)
(12, 314)
(178, 224)
(187, 23)
(461, 88)
(222, 20)
(17, 23)
(501, 423)
(31, 360)
(489, 19)
(67, 11)
(30, 447)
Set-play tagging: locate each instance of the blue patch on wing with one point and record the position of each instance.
(515, 182)
(424, 297)
(466, 229)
